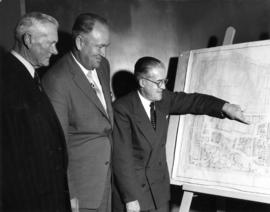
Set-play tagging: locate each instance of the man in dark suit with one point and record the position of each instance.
(79, 88)
(34, 155)
(139, 135)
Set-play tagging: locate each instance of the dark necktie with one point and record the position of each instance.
(153, 115)
(37, 81)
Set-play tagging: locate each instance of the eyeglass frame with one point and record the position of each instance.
(158, 83)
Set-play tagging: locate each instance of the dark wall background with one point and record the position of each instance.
(160, 28)
(9, 14)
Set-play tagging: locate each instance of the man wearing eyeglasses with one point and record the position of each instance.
(140, 130)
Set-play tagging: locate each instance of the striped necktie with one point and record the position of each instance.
(37, 81)
(97, 89)
(153, 115)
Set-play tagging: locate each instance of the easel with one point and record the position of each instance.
(190, 189)
(180, 77)
(174, 122)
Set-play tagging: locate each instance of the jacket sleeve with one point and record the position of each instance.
(192, 103)
(123, 164)
(56, 89)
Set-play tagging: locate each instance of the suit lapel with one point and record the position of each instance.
(143, 121)
(106, 92)
(161, 123)
(152, 136)
(82, 82)
(34, 94)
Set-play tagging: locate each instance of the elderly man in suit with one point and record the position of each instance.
(34, 156)
(140, 131)
(79, 88)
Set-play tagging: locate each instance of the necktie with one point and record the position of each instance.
(153, 115)
(37, 81)
(97, 90)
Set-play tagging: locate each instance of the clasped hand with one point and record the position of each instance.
(133, 206)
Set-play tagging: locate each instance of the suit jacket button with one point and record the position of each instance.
(107, 162)
(143, 185)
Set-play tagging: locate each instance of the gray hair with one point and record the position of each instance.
(30, 21)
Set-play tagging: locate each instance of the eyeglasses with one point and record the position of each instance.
(159, 83)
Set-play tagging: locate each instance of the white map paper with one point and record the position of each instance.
(225, 153)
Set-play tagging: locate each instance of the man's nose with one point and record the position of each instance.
(103, 51)
(54, 50)
(163, 86)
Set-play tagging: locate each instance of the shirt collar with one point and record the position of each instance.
(145, 101)
(28, 65)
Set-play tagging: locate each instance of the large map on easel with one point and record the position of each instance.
(226, 154)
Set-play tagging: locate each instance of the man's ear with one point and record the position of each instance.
(27, 40)
(141, 83)
(79, 42)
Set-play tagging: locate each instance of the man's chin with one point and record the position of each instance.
(158, 98)
(97, 64)
(46, 63)
(40, 64)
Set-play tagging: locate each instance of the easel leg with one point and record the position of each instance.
(186, 201)
(221, 204)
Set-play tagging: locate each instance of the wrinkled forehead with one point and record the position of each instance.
(45, 30)
(157, 71)
(101, 32)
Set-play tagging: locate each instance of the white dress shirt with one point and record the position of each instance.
(94, 77)
(146, 104)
